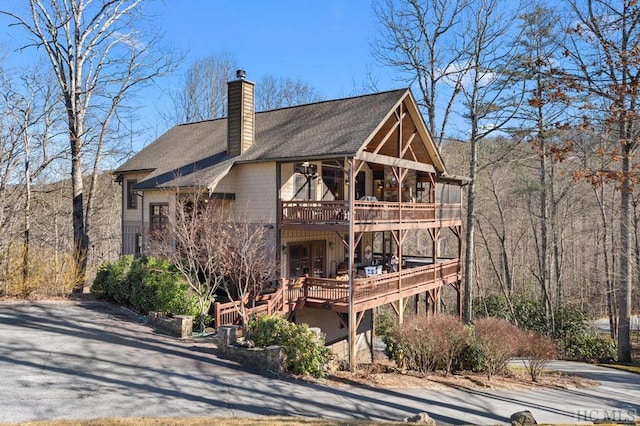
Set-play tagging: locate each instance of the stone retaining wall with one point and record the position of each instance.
(265, 360)
(178, 325)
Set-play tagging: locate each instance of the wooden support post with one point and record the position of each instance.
(401, 311)
(459, 299)
(426, 302)
(352, 314)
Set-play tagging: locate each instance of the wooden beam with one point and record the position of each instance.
(357, 167)
(394, 162)
(395, 308)
(363, 306)
(408, 146)
(386, 137)
(344, 242)
(344, 324)
(413, 154)
(359, 317)
(358, 238)
(399, 115)
(389, 226)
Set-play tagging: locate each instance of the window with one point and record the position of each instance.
(333, 180)
(307, 258)
(448, 193)
(158, 219)
(132, 196)
(304, 176)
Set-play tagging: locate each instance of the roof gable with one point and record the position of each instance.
(191, 154)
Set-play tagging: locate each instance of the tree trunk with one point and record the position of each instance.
(26, 272)
(470, 228)
(612, 310)
(625, 277)
(80, 239)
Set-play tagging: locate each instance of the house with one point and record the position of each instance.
(362, 210)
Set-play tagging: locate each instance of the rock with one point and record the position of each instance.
(421, 418)
(523, 418)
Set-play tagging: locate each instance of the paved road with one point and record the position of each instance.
(82, 360)
(602, 324)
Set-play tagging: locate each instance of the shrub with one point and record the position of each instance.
(305, 354)
(530, 316)
(425, 343)
(537, 350)
(448, 337)
(570, 331)
(50, 272)
(491, 306)
(498, 340)
(266, 330)
(470, 358)
(412, 350)
(111, 280)
(145, 284)
(590, 346)
(385, 321)
(386, 324)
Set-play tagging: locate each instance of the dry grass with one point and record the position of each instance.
(625, 367)
(384, 374)
(206, 421)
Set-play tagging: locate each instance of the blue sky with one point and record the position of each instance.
(324, 43)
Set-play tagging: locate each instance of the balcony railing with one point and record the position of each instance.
(403, 283)
(331, 292)
(366, 212)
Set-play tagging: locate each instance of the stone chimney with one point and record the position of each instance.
(241, 114)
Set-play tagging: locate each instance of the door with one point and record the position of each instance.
(307, 258)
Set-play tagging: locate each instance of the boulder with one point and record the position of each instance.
(421, 418)
(522, 418)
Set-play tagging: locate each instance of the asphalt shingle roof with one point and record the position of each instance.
(194, 153)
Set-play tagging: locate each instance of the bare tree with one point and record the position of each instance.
(423, 40)
(273, 92)
(98, 59)
(491, 102)
(604, 71)
(454, 48)
(202, 95)
(193, 246)
(11, 156)
(546, 105)
(33, 124)
(500, 222)
(249, 262)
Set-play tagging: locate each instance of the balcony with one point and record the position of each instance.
(368, 215)
(376, 290)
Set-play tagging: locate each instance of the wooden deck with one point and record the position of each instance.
(325, 293)
(369, 215)
(379, 289)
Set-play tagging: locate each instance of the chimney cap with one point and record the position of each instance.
(241, 74)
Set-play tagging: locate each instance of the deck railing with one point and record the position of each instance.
(337, 212)
(334, 291)
(379, 286)
(278, 301)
